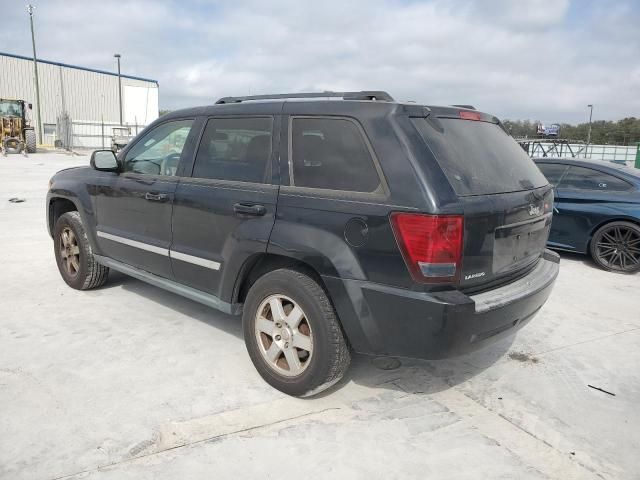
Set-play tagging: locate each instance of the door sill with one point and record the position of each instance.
(171, 286)
(560, 246)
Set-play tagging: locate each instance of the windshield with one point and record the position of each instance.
(10, 108)
(479, 158)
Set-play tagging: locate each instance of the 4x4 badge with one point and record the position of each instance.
(534, 210)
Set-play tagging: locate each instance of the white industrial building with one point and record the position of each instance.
(83, 98)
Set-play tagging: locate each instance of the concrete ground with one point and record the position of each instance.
(131, 382)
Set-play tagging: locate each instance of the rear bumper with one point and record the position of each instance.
(384, 320)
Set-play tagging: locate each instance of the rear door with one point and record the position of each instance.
(554, 173)
(224, 211)
(506, 200)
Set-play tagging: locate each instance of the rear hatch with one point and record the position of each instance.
(505, 198)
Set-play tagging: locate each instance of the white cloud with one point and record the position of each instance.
(535, 59)
(529, 14)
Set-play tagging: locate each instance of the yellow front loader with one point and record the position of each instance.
(16, 135)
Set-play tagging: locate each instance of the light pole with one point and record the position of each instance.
(590, 107)
(35, 71)
(117, 56)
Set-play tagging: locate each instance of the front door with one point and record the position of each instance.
(134, 211)
(584, 198)
(225, 212)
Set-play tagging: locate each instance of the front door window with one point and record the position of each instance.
(158, 152)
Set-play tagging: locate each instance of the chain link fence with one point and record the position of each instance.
(73, 134)
(64, 132)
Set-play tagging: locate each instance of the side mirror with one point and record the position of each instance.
(104, 160)
(30, 106)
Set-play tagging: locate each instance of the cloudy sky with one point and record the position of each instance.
(537, 59)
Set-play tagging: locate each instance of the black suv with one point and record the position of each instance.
(332, 222)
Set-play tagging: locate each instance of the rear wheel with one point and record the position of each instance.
(292, 333)
(30, 140)
(616, 247)
(74, 256)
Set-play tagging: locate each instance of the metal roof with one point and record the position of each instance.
(104, 72)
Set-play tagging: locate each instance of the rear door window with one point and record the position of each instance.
(553, 171)
(331, 154)
(580, 178)
(236, 149)
(479, 158)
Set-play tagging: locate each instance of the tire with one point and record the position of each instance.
(12, 145)
(616, 247)
(324, 355)
(70, 241)
(30, 140)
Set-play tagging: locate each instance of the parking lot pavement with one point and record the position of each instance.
(129, 381)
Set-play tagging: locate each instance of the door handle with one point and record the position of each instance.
(246, 209)
(156, 197)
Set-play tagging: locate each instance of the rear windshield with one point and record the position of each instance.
(479, 158)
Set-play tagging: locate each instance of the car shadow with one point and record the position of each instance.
(385, 373)
(415, 376)
(578, 258)
(184, 306)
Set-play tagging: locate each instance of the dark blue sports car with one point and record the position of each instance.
(596, 210)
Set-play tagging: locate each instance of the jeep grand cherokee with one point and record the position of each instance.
(331, 222)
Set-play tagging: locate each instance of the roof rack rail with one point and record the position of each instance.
(363, 95)
(468, 107)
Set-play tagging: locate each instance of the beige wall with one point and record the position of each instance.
(86, 95)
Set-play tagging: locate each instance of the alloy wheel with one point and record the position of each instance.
(69, 252)
(284, 335)
(619, 248)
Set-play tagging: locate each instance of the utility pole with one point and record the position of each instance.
(35, 70)
(102, 119)
(590, 107)
(117, 56)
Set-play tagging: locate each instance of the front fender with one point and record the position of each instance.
(81, 199)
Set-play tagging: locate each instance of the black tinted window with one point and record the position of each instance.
(235, 149)
(331, 154)
(553, 171)
(587, 179)
(479, 158)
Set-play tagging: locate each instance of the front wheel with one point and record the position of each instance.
(292, 333)
(76, 263)
(616, 247)
(30, 140)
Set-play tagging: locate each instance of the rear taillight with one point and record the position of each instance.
(431, 245)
